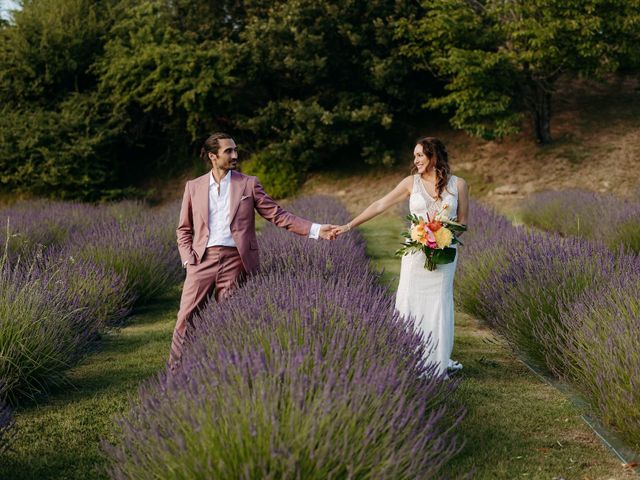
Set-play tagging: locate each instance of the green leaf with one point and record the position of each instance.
(444, 256)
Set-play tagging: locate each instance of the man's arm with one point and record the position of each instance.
(184, 232)
(271, 211)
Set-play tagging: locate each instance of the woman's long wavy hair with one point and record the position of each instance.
(438, 157)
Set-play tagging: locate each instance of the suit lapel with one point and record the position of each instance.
(202, 198)
(236, 188)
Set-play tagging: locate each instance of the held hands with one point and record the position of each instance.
(327, 232)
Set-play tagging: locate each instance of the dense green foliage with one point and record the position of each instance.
(502, 59)
(96, 95)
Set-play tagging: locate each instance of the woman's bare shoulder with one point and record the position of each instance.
(406, 183)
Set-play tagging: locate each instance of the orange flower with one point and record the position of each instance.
(434, 225)
(417, 232)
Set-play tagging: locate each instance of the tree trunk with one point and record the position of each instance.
(542, 114)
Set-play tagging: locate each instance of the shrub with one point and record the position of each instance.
(81, 269)
(598, 217)
(143, 250)
(279, 179)
(51, 310)
(598, 350)
(305, 372)
(6, 427)
(519, 280)
(37, 337)
(34, 224)
(483, 253)
(56, 152)
(102, 291)
(567, 304)
(541, 271)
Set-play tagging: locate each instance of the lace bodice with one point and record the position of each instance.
(421, 203)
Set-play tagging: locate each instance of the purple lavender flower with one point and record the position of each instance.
(29, 225)
(77, 272)
(598, 350)
(6, 427)
(565, 303)
(603, 218)
(141, 249)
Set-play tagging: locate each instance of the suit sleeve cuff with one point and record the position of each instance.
(314, 231)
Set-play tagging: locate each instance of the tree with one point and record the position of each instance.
(47, 51)
(503, 58)
(55, 136)
(300, 81)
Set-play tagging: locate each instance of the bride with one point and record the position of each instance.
(426, 296)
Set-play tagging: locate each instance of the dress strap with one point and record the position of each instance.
(416, 184)
(452, 185)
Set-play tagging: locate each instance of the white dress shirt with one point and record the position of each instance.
(219, 222)
(219, 207)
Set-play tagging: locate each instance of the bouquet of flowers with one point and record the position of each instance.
(433, 236)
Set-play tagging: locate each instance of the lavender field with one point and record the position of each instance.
(567, 304)
(306, 372)
(601, 218)
(69, 272)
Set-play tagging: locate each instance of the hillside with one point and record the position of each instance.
(596, 127)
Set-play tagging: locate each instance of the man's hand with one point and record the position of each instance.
(327, 232)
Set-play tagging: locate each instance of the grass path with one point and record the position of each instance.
(516, 426)
(59, 438)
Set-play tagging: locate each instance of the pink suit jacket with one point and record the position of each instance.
(245, 195)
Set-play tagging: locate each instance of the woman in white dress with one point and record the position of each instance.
(427, 296)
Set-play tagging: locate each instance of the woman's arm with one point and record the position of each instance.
(463, 203)
(401, 192)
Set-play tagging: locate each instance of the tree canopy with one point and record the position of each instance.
(500, 59)
(95, 96)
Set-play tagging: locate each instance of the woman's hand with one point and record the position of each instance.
(337, 231)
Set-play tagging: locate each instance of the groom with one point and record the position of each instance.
(216, 232)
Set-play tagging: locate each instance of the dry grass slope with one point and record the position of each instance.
(596, 126)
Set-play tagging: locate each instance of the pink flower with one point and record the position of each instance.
(431, 238)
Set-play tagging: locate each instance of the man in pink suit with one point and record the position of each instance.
(216, 232)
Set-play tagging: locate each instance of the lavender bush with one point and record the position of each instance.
(50, 312)
(514, 278)
(36, 336)
(6, 427)
(484, 253)
(567, 304)
(29, 225)
(141, 249)
(542, 271)
(306, 372)
(598, 350)
(106, 300)
(70, 271)
(598, 217)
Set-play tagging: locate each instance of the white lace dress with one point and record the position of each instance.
(427, 296)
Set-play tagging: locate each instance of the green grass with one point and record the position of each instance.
(59, 437)
(516, 426)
